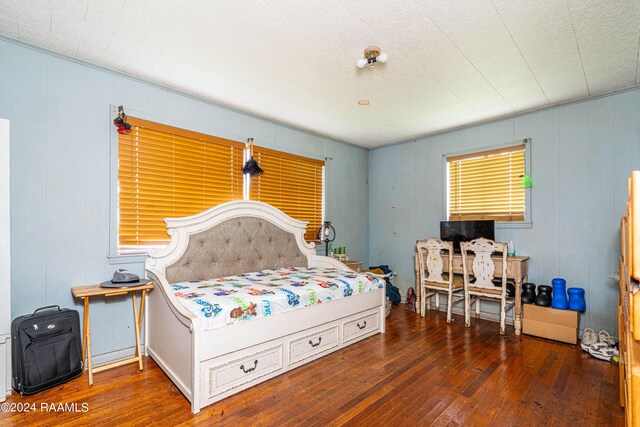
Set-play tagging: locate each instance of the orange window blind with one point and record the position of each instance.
(292, 184)
(169, 172)
(486, 185)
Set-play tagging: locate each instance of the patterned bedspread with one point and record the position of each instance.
(227, 300)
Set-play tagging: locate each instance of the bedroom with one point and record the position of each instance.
(64, 65)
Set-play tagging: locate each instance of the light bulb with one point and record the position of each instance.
(361, 63)
(383, 57)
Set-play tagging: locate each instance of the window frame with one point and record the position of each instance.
(528, 219)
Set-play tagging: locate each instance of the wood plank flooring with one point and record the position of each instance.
(421, 372)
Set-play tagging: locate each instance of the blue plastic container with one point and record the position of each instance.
(576, 299)
(559, 300)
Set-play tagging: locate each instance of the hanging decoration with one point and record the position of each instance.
(251, 167)
(121, 121)
(525, 181)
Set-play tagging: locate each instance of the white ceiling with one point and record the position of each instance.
(452, 62)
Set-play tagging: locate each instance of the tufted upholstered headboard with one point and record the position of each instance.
(232, 238)
(238, 245)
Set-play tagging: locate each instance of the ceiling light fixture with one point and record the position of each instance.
(363, 102)
(372, 54)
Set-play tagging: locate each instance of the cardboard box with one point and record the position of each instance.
(547, 322)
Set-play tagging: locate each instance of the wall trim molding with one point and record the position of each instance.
(9, 39)
(22, 43)
(484, 315)
(115, 356)
(509, 117)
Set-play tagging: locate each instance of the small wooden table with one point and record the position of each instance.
(354, 265)
(85, 292)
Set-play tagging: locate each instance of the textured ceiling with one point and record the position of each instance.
(452, 62)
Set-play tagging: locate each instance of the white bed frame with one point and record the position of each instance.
(208, 366)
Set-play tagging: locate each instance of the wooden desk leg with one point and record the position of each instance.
(88, 338)
(517, 311)
(137, 326)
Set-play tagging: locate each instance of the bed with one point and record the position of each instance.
(211, 255)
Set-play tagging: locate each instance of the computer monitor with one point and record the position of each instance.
(464, 231)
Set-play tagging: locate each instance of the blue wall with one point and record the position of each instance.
(582, 155)
(60, 189)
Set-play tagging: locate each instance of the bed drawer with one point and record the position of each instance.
(313, 343)
(360, 325)
(223, 375)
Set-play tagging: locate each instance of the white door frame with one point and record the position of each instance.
(5, 261)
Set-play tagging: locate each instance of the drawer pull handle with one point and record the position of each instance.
(316, 344)
(363, 326)
(246, 371)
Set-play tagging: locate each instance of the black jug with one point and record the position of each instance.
(528, 293)
(543, 299)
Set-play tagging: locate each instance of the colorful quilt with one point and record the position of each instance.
(227, 300)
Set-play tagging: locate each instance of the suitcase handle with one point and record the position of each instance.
(49, 306)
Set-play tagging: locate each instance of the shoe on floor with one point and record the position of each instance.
(588, 339)
(606, 338)
(603, 351)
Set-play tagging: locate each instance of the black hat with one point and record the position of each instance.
(124, 279)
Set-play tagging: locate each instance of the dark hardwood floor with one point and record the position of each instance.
(421, 372)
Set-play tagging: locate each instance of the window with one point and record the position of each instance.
(164, 171)
(169, 172)
(486, 185)
(292, 184)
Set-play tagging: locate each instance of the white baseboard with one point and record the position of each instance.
(5, 366)
(115, 356)
(459, 309)
(493, 317)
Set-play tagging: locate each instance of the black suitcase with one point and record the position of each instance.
(45, 349)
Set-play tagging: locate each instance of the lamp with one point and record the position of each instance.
(327, 234)
(372, 54)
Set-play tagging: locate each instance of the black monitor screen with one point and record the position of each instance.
(464, 231)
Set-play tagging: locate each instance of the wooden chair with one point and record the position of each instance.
(431, 276)
(482, 266)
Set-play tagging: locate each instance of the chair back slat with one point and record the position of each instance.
(483, 267)
(430, 259)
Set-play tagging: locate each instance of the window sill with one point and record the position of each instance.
(127, 259)
(513, 225)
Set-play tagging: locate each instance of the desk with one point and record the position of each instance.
(85, 292)
(517, 270)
